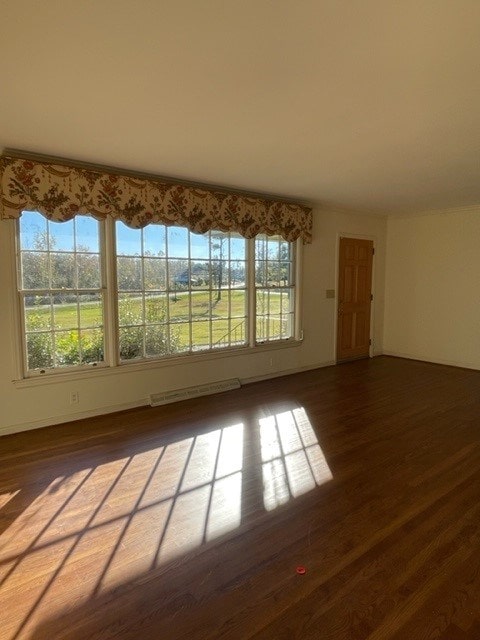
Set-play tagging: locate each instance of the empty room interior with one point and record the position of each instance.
(240, 359)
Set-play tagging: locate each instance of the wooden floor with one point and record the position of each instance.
(190, 520)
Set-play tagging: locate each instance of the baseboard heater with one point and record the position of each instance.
(157, 399)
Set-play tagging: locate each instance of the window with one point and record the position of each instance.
(175, 293)
(61, 292)
(274, 287)
(179, 291)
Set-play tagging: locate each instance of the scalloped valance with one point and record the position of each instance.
(59, 192)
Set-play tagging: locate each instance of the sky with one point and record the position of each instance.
(129, 242)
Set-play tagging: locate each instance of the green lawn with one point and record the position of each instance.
(204, 315)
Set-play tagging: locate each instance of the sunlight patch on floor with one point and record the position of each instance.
(129, 515)
(6, 497)
(292, 460)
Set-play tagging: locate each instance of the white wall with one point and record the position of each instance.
(28, 405)
(432, 309)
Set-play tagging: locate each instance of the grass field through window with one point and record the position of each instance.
(194, 319)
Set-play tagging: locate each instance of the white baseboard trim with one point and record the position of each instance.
(287, 372)
(421, 358)
(48, 422)
(71, 417)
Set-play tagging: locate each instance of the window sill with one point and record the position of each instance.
(145, 365)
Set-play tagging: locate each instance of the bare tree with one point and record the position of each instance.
(219, 244)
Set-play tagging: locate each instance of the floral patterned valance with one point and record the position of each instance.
(60, 192)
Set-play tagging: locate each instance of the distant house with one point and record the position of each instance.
(197, 275)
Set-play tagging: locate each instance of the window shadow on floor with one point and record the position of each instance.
(112, 531)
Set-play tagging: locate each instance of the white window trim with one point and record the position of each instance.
(88, 372)
(112, 364)
(112, 358)
(22, 357)
(296, 260)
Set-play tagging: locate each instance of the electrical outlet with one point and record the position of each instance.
(74, 397)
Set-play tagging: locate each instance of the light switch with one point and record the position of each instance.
(330, 293)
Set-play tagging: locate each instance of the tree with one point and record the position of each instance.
(154, 273)
(46, 268)
(285, 261)
(129, 273)
(272, 262)
(35, 264)
(219, 244)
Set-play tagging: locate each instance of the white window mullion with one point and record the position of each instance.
(190, 323)
(52, 325)
(21, 357)
(297, 289)
(23, 342)
(211, 287)
(251, 294)
(143, 295)
(77, 287)
(167, 292)
(109, 291)
(229, 292)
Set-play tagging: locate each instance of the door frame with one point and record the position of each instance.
(355, 236)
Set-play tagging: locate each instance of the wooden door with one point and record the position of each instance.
(354, 299)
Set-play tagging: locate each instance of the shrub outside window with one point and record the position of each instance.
(179, 291)
(61, 292)
(171, 292)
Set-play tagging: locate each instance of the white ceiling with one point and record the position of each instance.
(372, 105)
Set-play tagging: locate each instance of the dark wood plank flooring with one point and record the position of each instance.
(190, 520)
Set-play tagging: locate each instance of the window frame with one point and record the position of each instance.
(185, 324)
(19, 292)
(291, 288)
(112, 362)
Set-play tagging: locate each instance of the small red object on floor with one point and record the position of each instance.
(301, 571)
